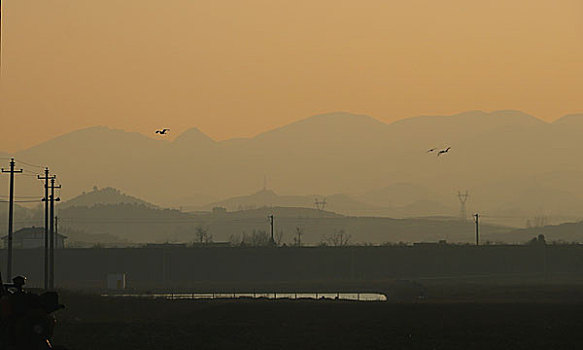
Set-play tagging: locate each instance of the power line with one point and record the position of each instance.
(24, 196)
(29, 164)
(20, 161)
(30, 175)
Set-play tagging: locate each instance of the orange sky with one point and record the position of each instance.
(236, 68)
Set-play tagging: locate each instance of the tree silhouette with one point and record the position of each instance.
(338, 238)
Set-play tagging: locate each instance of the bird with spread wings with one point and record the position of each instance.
(162, 132)
(438, 151)
(443, 151)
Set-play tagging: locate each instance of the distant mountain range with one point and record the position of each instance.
(513, 164)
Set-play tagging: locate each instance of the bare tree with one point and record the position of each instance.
(278, 237)
(338, 238)
(259, 238)
(241, 240)
(236, 239)
(202, 235)
(298, 237)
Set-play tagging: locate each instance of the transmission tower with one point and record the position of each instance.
(320, 204)
(463, 198)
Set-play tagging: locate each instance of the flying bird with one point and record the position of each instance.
(443, 151)
(431, 150)
(162, 132)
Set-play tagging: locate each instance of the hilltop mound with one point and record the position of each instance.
(104, 196)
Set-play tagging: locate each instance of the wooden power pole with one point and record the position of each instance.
(52, 234)
(46, 177)
(477, 221)
(10, 215)
(271, 224)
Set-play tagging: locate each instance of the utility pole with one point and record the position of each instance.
(46, 200)
(56, 244)
(10, 215)
(477, 221)
(271, 224)
(52, 234)
(56, 231)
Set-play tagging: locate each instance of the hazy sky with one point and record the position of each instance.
(236, 68)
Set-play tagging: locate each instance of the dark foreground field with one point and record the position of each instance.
(547, 318)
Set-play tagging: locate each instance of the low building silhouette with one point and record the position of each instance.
(32, 237)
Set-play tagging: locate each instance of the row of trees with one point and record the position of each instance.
(261, 238)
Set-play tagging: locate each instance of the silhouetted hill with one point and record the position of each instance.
(341, 130)
(103, 196)
(127, 221)
(23, 217)
(458, 124)
(563, 233)
(570, 121)
(193, 138)
(280, 212)
(267, 198)
(259, 199)
(139, 223)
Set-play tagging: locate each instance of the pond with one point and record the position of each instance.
(314, 296)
